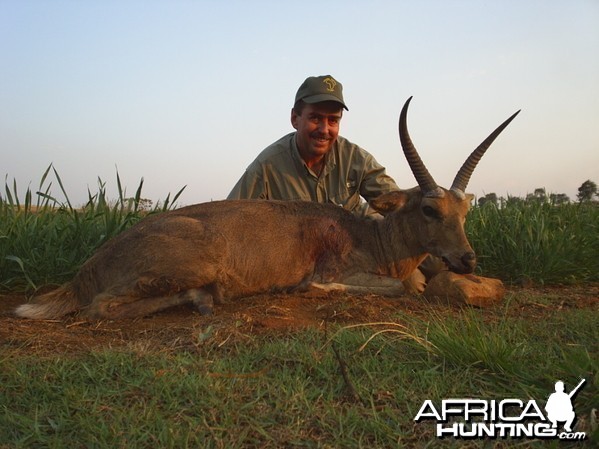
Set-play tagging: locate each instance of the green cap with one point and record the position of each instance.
(320, 88)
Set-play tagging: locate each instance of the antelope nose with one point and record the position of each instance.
(469, 261)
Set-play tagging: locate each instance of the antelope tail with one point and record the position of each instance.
(54, 304)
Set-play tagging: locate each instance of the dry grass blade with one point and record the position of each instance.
(395, 328)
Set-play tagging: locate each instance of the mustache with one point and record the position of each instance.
(319, 135)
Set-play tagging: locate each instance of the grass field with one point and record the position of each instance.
(290, 370)
(540, 242)
(233, 380)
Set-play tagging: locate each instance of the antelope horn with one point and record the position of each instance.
(423, 177)
(461, 179)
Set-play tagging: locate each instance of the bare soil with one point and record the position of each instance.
(182, 327)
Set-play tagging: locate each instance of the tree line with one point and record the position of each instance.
(587, 193)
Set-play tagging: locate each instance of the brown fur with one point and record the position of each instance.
(230, 249)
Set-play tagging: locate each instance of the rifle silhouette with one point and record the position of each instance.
(573, 392)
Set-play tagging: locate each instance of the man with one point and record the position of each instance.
(314, 163)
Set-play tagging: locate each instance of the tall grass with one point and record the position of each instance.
(43, 240)
(539, 241)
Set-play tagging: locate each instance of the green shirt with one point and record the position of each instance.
(350, 173)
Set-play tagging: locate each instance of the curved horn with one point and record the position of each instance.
(423, 177)
(461, 179)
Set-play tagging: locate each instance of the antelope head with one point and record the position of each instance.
(437, 215)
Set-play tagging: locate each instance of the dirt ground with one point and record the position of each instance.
(182, 327)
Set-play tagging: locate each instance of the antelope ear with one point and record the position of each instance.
(390, 202)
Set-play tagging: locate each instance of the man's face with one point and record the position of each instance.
(317, 128)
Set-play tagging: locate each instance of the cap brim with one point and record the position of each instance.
(323, 97)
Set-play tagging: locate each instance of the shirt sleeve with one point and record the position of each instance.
(250, 186)
(375, 180)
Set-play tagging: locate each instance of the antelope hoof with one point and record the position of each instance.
(205, 309)
(202, 301)
(415, 283)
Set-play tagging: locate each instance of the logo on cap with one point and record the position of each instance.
(331, 83)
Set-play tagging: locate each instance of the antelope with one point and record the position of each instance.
(223, 250)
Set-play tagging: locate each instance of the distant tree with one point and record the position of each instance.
(489, 198)
(539, 195)
(587, 191)
(559, 198)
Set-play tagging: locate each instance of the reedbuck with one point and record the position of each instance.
(222, 250)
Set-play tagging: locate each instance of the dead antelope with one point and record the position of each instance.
(222, 250)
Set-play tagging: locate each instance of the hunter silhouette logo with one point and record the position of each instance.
(331, 83)
(504, 418)
(559, 406)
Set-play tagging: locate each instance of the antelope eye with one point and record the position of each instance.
(430, 212)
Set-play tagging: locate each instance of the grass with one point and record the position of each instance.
(537, 241)
(47, 241)
(287, 390)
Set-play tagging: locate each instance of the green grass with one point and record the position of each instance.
(287, 391)
(46, 241)
(545, 243)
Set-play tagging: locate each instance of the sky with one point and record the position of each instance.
(187, 93)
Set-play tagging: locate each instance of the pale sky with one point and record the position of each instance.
(189, 92)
